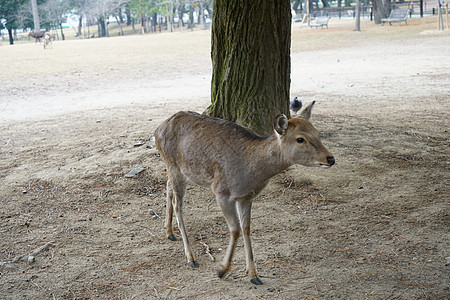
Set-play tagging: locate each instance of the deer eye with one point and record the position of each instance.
(300, 140)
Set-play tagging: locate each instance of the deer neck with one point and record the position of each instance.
(268, 158)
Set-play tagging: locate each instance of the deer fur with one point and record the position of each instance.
(235, 164)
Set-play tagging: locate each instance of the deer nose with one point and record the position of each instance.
(330, 160)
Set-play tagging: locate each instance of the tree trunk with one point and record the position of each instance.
(106, 26)
(154, 21)
(325, 3)
(296, 5)
(251, 62)
(421, 8)
(36, 20)
(201, 16)
(170, 16)
(382, 9)
(120, 16)
(191, 17)
(80, 25)
(62, 32)
(143, 23)
(120, 25)
(128, 14)
(102, 27)
(11, 37)
(310, 6)
(358, 15)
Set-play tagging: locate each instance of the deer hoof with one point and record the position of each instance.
(193, 264)
(256, 281)
(172, 237)
(220, 274)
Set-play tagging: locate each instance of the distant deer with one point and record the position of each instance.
(235, 164)
(38, 35)
(48, 37)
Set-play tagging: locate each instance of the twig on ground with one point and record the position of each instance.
(29, 256)
(208, 251)
(412, 284)
(172, 286)
(261, 216)
(298, 269)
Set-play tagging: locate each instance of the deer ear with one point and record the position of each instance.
(306, 112)
(281, 124)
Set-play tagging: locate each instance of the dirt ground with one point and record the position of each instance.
(78, 116)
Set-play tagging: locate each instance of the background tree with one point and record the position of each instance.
(139, 10)
(8, 12)
(56, 13)
(81, 8)
(102, 10)
(251, 62)
(24, 15)
(191, 15)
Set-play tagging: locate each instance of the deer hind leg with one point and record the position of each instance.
(244, 210)
(169, 212)
(228, 207)
(178, 191)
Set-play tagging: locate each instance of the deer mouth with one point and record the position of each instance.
(330, 161)
(325, 166)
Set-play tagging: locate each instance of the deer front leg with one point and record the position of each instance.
(230, 213)
(244, 209)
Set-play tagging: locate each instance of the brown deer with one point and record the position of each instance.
(235, 164)
(38, 35)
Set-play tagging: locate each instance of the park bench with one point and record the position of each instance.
(320, 22)
(397, 15)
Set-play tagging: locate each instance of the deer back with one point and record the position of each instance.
(215, 153)
(209, 151)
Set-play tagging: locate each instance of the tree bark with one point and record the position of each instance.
(143, 23)
(358, 15)
(80, 25)
(191, 17)
(11, 37)
(251, 62)
(36, 20)
(297, 5)
(128, 14)
(382, 9)
(132, 26)
(102, 27)
(63, 37)
(154, 21)
(120, 16)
